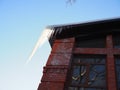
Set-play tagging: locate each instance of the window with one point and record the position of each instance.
(73, 88)
(90, 43)
(88, 73)
(117, 59)
(116, 41)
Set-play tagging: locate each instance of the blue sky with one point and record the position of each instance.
(21, 24)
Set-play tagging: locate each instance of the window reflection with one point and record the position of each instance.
(97, 75)
(88, 72)
(78, 75)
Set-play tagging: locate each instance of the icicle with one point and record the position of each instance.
(60, 30)
(43, 38)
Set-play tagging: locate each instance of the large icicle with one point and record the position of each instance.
(42, 39)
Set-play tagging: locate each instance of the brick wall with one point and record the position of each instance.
(55, 71)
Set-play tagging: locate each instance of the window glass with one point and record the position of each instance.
(90, 43)
(118, 71)
(88, 59)
(116, 41)
(97, 75)
(74, 88)
(88, 72)
(78, 75)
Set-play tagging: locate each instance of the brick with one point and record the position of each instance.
(59, 59)
(62, 47)
(50, 86)
(54, 77)
(68, 40)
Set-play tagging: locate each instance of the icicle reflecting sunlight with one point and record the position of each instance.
(42, 39)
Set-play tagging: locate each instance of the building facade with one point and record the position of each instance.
(84, 56)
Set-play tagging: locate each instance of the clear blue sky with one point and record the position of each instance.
(21, 23)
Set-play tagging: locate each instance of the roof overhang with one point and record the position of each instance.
(84, 29)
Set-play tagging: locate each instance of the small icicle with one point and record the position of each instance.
(60, 30)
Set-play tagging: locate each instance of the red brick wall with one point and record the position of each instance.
(55, 71)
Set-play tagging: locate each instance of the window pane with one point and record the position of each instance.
(116, 41)
(118, 60)
(118, 71)
(74, 88)
(91, 43)
(78, 75)
(91, 89)
(97, 76)
(89, 59)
